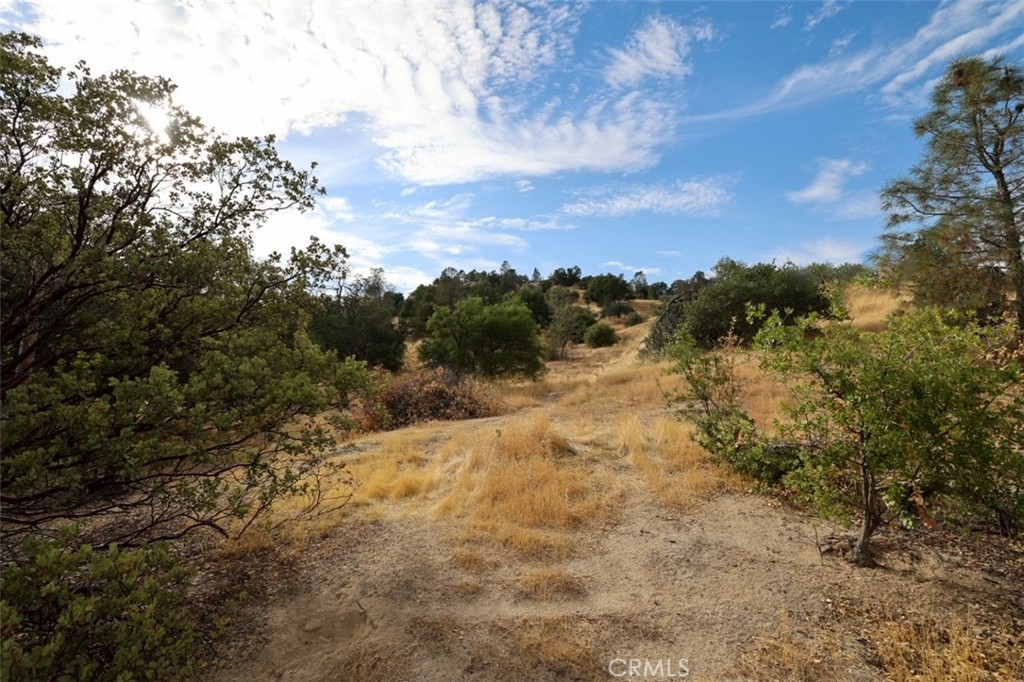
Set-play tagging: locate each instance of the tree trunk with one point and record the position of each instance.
(1015, 267)
(861, 554)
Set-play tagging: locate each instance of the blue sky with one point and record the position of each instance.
(617, 136)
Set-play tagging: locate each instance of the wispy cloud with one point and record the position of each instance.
(900, 71)
(955, 30)
(828, 9)
(647, 270)
(658, 49)
(827, 185)
(828, 190)
(783, 17)
(524, 186)
(825, 250)
(840, 44)
(700, 197)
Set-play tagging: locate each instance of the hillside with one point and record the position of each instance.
(582, 529)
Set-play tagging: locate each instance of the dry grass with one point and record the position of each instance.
(922, 649)
(396, 469)
(519, 395)
(763, 394)
(675, 468)
(549, 583)
(473, 561)
(906, 647)
(563, 644)
(519, 484)
(793, 656)
(871, 307)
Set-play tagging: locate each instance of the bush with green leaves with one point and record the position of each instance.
(917, 410)
(617, 309)
(85, 614)
(534, 299)
(633, 319)
(600, 335)
(721, 306)
(606, 289)
(569, 325)
(710, 398)
(920, 412)
(487, 340)
(150, 361)
(358, 321)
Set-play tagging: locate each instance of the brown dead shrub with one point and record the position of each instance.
(427, 395)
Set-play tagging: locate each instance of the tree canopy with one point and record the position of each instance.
(488, 340)
(965, 196)
(149, 361)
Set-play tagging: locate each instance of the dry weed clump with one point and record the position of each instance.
(428, 395)
(564, 645)
(914, 648)
(794, 656)
(521, 487)
(549, 583)
(903, 647)
(397, 469)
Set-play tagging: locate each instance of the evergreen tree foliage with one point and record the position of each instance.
(965, 196)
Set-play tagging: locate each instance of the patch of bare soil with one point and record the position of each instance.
(734, 587)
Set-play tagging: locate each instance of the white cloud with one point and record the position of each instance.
(703, 197)
(657, 49)
(529, 225)
(828, 9)
(631, 268)
(828, 191)
(902, 70)
(825, 250)
(337, 208)
(441, 87)
(957, 30)
(524, 186)
(783, 17)
(857, 205)
(827, 186)
(840, 44)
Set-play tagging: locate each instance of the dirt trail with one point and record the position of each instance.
(400, 592)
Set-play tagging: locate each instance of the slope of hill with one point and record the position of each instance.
(581, 533)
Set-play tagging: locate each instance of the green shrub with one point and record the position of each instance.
(114, 615)
(633, 319)
(486, 340)
(600, 335)
(617, 309)
(722, 306)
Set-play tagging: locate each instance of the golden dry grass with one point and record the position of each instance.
(547, 583)
(921, 649)
(473, 561)
(522, 394)
(396, 469)
(562, 644)
(793, 657)
(675, 468)
(870, 307)
(520, 486)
